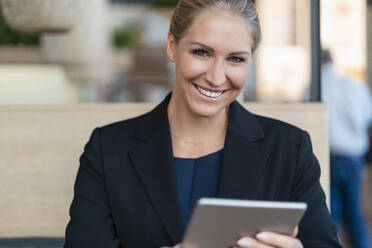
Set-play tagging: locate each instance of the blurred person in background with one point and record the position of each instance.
(349, 104)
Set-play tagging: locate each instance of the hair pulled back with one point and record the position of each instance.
(187, 10)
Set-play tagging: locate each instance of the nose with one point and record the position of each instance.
(216, 74)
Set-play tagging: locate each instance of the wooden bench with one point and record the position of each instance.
(40, 147)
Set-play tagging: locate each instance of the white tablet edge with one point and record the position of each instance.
(251, 203)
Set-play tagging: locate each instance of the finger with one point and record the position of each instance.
(247, 242)
(295, 232)
(278, 240)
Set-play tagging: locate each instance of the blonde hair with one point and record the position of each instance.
(187, 10)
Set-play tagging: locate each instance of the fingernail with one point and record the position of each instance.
(244, 242)
(262, 236)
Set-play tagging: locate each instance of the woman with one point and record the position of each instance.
(139, 179)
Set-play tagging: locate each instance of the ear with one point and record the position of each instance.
(171, 47)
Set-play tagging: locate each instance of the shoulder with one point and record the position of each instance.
(275, 129)
(142, 126)
(126, 127)
(123, 135)
(118, 136)
(268, 131)
(284, 138)
(270, 124)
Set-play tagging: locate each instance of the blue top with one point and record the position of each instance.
(196, 178)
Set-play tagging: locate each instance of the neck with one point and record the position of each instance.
(191, 127)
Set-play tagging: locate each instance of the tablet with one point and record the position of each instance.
(218, 223)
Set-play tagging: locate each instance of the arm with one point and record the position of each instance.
(91, 224)
(316, 228)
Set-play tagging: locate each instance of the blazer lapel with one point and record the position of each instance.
(244, 159)
(153, 161)
(243, 162)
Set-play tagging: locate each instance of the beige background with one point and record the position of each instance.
(40, 147)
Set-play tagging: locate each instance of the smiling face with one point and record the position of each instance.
(212, 60)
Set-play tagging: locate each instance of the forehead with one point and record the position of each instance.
(220, 30)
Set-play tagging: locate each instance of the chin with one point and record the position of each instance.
(206, 111)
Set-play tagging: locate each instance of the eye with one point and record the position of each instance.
(200, 52)
(237, 60)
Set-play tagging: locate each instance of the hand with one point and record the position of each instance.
(270, 240)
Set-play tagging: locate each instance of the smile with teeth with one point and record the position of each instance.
(212, 94)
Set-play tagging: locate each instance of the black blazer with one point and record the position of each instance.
(125, 190)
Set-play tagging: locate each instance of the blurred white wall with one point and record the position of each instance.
(343, 31)
(283, 58)
(369, 44)
(283, 72)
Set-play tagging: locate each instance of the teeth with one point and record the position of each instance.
(209, 93)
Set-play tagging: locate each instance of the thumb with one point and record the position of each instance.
(295, 232)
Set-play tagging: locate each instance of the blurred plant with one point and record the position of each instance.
(125, 37)
(14, 38)
(165, 3)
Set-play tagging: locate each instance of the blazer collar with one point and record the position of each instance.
(245, 157)
(153, 161)
(243, 123)
(243, 162)
(155, 121)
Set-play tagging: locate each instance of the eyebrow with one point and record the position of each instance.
(212, 50)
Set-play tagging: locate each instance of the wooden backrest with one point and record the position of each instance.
(40, 147)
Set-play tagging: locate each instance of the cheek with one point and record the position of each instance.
(189, 67)
(238, 76)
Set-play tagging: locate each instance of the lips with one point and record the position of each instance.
(209, 93)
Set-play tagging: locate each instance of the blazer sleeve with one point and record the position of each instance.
(91, 223)
(316, 229)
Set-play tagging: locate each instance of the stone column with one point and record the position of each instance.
(85, 51)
